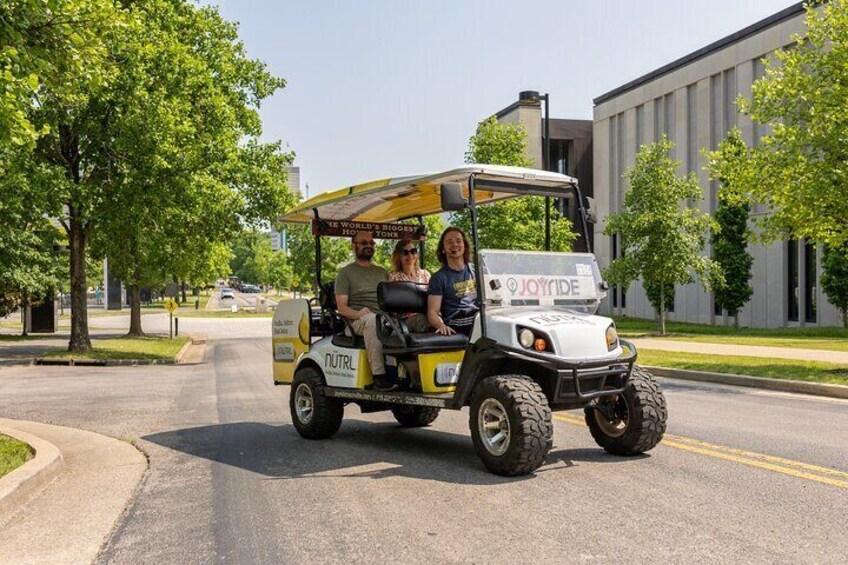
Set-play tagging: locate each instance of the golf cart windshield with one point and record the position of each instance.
(530, 278)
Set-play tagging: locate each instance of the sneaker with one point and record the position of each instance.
(383, 384)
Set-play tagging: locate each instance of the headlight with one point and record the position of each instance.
(525, 338)
(612, 337)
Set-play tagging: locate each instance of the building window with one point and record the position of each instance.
(618, 291)
(810, 309)
(729, 86)
(659, 113)
(640, 126)
(792, 280)
(614, 240)
(559, 155)
(692, 128)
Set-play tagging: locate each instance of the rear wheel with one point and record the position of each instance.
(313, 413)
(511, 424)
(415, 416)
(632, 422)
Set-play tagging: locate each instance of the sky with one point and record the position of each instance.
(383, 88)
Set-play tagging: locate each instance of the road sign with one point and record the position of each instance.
(171, 305)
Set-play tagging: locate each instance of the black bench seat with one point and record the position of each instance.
(397, 299)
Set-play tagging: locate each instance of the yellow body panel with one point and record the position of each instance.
(363, 372)
(284, 371)
(289, 337)
(428, 364)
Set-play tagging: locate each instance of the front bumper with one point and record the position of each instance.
(582, 381)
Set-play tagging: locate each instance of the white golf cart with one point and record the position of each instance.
(536, 345)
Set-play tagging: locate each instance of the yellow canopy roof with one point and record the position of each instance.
(393, 199)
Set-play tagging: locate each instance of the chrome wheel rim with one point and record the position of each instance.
(493, 426)
(304, 404)
(618, 425)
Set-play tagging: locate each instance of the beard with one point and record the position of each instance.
(365, 254)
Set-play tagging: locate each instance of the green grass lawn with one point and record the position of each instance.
(152, 347)
(832, 339)
(754, 366)
(13, 454)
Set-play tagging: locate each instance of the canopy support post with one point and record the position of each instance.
(421, 243)
(478, 282)
(317, 255)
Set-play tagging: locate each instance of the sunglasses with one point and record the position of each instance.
(365, 242)
(408, 252)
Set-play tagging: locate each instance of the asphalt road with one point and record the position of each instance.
(744, 476)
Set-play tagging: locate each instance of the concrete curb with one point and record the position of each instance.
(27, 481)
(46, 361)
(800, 387)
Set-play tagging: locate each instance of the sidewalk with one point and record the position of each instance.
(73, 517)
(837, 357)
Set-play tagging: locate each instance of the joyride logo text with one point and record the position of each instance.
(544, 286)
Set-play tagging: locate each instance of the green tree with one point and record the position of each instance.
(803, 98)
(661, 237)
(835, 278)
(335, 253)
(252, 258)
(729, 166)
(517, 223)
(52, 53)
(280, 272)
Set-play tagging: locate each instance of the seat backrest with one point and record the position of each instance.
(402, 297)
(327, 296)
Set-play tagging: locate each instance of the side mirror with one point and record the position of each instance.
(452, 198)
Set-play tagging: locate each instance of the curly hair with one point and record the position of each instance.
(440, 252)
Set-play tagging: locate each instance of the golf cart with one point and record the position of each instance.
(536, 345)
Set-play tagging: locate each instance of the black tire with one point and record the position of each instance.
(318, 416)
(415, 416)
(639, 417)
(527, 415)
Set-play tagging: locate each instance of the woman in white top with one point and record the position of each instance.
(405, 268)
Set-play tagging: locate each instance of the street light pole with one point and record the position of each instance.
(534, 96)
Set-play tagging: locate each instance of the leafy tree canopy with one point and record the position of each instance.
(518, 223)
(800, 164)
(662, 238)
(729, 166)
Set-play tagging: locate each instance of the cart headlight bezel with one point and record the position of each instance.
(526, 337)
(611, 336)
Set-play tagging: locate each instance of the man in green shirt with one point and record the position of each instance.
(356, 300)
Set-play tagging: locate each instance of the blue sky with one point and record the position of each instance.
(385, 88)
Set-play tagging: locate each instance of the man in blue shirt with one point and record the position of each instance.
(452, 301)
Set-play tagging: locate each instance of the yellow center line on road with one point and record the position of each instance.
(781, 465)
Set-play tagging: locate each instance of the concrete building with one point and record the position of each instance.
(692, 101)
(279, 239)
(571, 148)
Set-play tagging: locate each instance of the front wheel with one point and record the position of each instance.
(313, 413)
(632, 422)
(511, 424)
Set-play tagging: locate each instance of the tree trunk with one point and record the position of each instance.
(736, 319)
(183, 288)
(662, 309)
(80, 340)
(845, 318)
(134, 293)
(24, 316)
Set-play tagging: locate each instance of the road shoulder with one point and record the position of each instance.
(73, 517)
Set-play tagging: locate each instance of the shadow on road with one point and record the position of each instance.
(364, 450)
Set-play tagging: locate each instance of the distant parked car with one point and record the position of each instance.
(227, 293)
